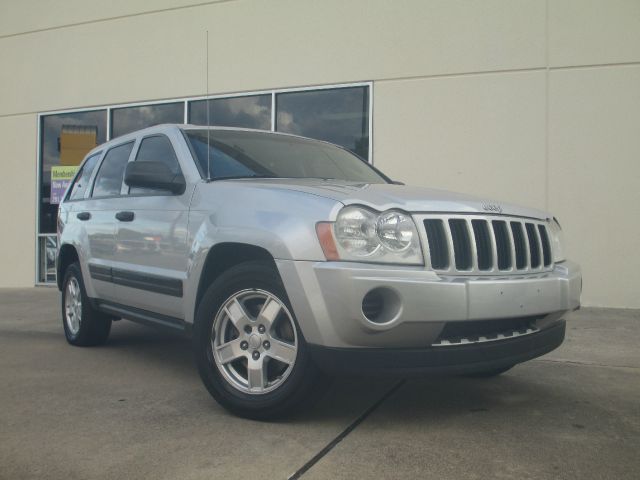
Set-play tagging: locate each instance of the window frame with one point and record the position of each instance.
(134, 156)
(185, 100)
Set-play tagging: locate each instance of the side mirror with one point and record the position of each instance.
(156, 175)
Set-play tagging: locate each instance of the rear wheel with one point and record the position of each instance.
(250, 352)
(83, 325)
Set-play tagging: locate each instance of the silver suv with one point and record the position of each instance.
(286, 258)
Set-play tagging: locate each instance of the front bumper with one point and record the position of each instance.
(327, 300)
(439, 360)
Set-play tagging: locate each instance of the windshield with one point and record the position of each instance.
(245, 154)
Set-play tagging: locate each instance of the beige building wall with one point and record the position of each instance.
(530, 101)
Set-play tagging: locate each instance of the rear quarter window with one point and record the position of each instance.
(81, 183)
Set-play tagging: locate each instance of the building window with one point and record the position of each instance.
(337, 115)
(253, 111)
(129, 119)
(64, 141)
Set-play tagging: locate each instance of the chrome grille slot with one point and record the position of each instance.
(519, 244)
(461, 244)
(546, 246)
(437, 244)
(534, 245)
(503, 245)
(485, 244)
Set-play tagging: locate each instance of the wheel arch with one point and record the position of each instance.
(66, 256)
(223, 256)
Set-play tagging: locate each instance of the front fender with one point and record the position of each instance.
(282, 222)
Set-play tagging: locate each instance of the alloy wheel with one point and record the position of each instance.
(73, 306)
(254, 341)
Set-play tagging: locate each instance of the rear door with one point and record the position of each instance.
(151, 239)
(97, 214)
(77, 226)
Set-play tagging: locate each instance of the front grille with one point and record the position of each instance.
(474, 331)
(486, 244)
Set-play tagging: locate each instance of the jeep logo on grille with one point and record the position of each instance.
(492, 207)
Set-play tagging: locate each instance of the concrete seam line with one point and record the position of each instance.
(585, 364)
(318, 456)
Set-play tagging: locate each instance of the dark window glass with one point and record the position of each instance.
(109, 179)
(156, 149)
(65, 140)
(82, 180)
(256, 154)
(129, 119)
(339, 115)
(244, 112)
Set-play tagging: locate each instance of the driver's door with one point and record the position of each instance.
(151, 239)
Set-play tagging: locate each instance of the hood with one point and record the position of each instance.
(387, 196)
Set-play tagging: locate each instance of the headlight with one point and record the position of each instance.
(557, 240)
(363, 235)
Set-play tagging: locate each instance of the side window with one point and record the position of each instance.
(82, 179)
(156, 149)
(109, 179)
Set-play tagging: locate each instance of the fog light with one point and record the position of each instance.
(381, 305)
(372, 304)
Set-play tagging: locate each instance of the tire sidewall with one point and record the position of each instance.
(246, 276)
(94, 325)
(73, 271)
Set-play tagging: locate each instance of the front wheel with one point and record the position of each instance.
(250, 352)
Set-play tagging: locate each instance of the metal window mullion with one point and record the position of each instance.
(38, 192)
(273, 111)
(108, 123)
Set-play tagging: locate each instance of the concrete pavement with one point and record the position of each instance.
(135, 408)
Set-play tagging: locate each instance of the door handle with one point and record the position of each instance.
(83, 216)
(125, 216)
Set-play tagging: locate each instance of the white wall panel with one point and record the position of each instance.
(480, 134)
(18, 196)
(18, 16)
(594, 177)
(593, 32)
(258, 45)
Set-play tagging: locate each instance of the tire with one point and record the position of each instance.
(489, 373)
(83, 325)
(229, 319)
